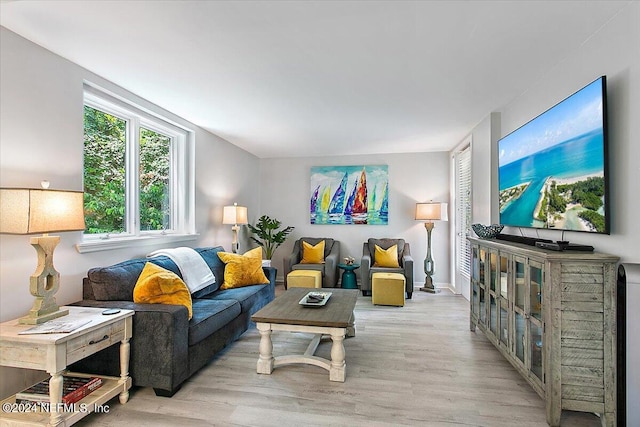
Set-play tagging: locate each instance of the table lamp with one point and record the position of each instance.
(32, 211)
(429, 212)
(234, 215)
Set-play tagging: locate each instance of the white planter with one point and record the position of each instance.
(266, 263)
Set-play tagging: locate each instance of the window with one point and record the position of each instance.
(135, 172)
(463, 209)
(104, 172)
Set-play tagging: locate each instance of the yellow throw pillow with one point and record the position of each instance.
(157, 285)
(242, 270)
(312, 254)
(386, 257)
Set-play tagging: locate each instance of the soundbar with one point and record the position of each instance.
(564, 246)
(531, 241)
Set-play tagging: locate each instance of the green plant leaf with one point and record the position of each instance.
(268, 235)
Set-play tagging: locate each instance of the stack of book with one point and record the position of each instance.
(73, 390)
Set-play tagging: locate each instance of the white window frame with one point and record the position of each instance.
(182, 200)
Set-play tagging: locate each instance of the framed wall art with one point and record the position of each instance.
(349, 195)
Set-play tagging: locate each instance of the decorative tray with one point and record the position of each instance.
(315, 299)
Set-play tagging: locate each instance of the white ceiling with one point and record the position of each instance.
(311, 78)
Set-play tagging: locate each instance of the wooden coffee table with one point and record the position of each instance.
(334, 319)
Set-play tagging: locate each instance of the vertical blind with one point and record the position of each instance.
(463, 209)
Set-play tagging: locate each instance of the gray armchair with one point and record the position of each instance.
(329, 268)
(404, 260)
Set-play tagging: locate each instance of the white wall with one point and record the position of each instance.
(416, 177)
(483, 180)
(615, 52)
(41, 137)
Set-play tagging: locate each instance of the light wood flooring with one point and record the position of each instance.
(412, 365)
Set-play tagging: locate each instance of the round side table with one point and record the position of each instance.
(349, 280)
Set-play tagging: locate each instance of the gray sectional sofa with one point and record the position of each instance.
(166, 347)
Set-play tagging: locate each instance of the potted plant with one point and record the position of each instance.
(268, 234)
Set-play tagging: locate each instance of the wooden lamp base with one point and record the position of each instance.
(44, 283)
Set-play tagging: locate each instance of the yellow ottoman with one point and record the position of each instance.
(387, 289)
(304, 279)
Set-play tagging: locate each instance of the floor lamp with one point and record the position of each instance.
(33, 211)
(429, 212)
(234, 215)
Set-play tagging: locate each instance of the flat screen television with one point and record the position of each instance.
(552, 171)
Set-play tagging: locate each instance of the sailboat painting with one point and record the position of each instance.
(349, 195)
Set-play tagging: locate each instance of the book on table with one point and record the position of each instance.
(74, 389)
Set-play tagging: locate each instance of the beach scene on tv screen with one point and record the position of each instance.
(551, 170)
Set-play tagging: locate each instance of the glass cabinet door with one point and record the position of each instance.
(507, 297)
(475, 272)
(504, 322)
(493, 270)
(475, 266)
(475, 300)
(535, 300)
(493, 314)
(493, 291)
(519, 281)
(502, 286)
(504, 271)
(482, 258)
(519, 336)
(482, 313)
(520, 315)
(535, 289)
(535, 355)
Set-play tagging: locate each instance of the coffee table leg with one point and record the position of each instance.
(265, 361)
(351, 329)
(338, 369)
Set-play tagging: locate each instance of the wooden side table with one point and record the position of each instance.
(349, 280)
(54, 352)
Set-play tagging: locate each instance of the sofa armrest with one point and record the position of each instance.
(159, 345)
(331, 262)
(271, 273)
(87, 290)
(291, 260)
(407, 263)
(365, 267)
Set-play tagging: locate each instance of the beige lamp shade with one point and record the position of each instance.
(234, 215)
(31, 211)
(432, 211)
